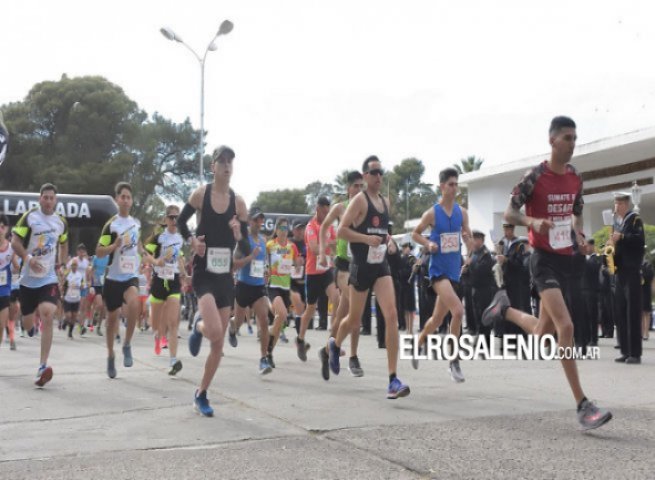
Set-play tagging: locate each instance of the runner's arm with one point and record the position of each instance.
(334, 214)
(427, 220)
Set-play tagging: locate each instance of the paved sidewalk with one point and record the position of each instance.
(510, 419)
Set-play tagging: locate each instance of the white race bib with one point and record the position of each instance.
(127, 263)
(560, 235)
(376, 254)
(74, 292)
(285, 266)
(167, 272)
(257, 269)
(218, 260)
(449, 242)
(3, 278)
(298, 272)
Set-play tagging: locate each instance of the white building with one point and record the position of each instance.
(606, 165)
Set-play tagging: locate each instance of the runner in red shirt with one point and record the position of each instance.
(319, 278)
(552, 195)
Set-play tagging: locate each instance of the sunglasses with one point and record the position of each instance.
(283, 228)
(172, 217)
(376, 171)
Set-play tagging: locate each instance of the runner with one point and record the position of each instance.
(318, 278)
(14, 304)
(99, 310)
(552, 195)
(449, 225)
(341, 267)
(120, 241)
(298, 294)
(217, 235)
(365, 225)
(83, 263)
(38, 233)
(74, 283)
(164, 251)
(251, 288)
(282, 257)
(6, 261)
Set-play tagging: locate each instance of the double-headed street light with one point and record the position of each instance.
(225, 28)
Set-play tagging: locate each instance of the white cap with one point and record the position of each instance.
(622, 195)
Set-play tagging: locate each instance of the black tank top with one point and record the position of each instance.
(375, 223)
(215, 227)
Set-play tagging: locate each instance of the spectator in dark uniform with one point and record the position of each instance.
(575, 297)
(628, 240)
(591, 289)
(516, 277)
(647, 296)
(606, 303)
(479, 265)
(407, 285)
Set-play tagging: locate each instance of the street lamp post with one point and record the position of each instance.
(636, 195)
(225, 28)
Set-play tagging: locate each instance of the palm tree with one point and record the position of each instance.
(469, 164)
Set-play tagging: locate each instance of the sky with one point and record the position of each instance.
(303, 89)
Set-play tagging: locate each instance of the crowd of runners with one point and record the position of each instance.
(233, 273)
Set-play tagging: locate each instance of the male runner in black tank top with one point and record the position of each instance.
(365, 225)
(222, 222)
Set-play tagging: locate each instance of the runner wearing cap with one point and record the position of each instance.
(341, 272)
(251, 287)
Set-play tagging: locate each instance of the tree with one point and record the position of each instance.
(84, 135)
(290, 200)
(466, 165)
(408, 193)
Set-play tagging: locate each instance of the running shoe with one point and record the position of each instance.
(111, 367)
(496, 310)
(201, 404)
(175, 368)
(232, 336)
(195, 339)
(283, 337)
(269, 357)
(335, 353)
(164, 343)
(157, 345)
(301, 349)
(264, 367)
(128, 361)
(98, 331)
(456, 372)
(12, 345)
(43, 375)
(355, 368)
(324, 357)
(590, 416)
(83, 331)
(397, 389)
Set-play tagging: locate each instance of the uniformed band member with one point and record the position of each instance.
(628, 240)
(591, 288)
(481, 277)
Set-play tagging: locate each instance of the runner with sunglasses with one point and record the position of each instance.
(365, 225)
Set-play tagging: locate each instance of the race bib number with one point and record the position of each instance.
(3, 278)
(298, 272)
(218, 260)
(257, 269)
(74, 292)
(560, 235)
(127, 264)
(168, 272)
(285, 266)
(376, 254)
(450, 242)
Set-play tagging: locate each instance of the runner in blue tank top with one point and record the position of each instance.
(450, 226)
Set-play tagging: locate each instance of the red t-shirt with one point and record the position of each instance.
(311, 233)
(553, 196)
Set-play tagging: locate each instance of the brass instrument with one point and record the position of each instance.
(609, 256)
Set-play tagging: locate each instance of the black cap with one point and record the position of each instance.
(323, 201)
(299, 223)
(255, 212)
(223, 152)
(478, 234)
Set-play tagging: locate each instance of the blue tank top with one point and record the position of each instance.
(5, 271)
(257, 264)
(447, 233)
(99, 268)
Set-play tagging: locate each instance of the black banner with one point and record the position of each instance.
(79, 210)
